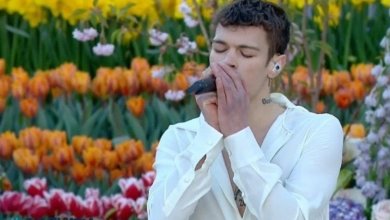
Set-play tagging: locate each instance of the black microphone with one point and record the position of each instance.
(203, 85)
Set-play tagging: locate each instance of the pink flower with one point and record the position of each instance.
(139, 208)
(85, 35)
(381, 210)
(103, 49)
(35, 186)
(107, 203)
(14, 202)
(124, 207)
(93, 207)
(76, 206)
(132, 188)
(148, 179)
(186, 46)
(39, 208)
(57, 201)
(92, 193)
(157, 38)
(174, 95)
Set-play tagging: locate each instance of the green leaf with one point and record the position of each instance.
(116, 119)
(17, 31)
(71, 125)
(345, 177)
(90, 125)
(41, 119)
(136, 130)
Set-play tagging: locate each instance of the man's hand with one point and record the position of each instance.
(232, 99)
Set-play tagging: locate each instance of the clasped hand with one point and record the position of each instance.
(226, 109)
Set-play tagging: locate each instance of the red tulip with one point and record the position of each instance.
(148, 179)
(56, 200)
(77, 206)
(132, 188)
(14, 202)
(94, 208)
(35, 186)
(39, 208)
(139, 208)
(124, 207)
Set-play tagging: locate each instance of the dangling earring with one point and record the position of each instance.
(269, 81)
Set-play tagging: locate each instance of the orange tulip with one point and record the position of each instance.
(355, 130)
(129, 83)
(62, 157)
(52, 139)
(63, 76)
(103, 144)
(31, 137)
(362, 72)
(145, 79)
(47, 162)
(110, 160)
(3, 103)
(136, 105)
(159, 86)
(81, 82)
(320, 107)
(189, 68)
(6, 184)
(329, 83)
(20, 75)
(38, 86)
(343, 98)
(342, 78)
(140, 65)
(80, 173)
(93, 156)
(79, 143)
(129, 151)
(98, 173)
(18, 90)
(357, 89)
(6, 147)
(144, 163)
(99, 87)
(181, 82)
(2, 67)
(29, 107)
(25, 160)
(116, 174)
(5, 85)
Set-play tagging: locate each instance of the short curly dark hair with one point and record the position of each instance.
(258, 13)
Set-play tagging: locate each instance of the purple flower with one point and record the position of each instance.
(345, 209)
(103, 49)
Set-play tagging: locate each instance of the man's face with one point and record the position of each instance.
(246, 50)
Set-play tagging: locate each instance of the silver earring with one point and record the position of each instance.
(276, 68)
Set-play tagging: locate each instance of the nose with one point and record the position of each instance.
(230, 59)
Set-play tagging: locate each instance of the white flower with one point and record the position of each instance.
(174, 95)
(377, 70)
(384, 42)
(184, 8)
(157, 38)
(386, 93)
(381, 210)
(350, 149)
(380, 112)
(103, 49)
(190, 22)
(186, 46)
(158, 73)
(382, 80)
(370, 100)
(85, 34)
(387, 59)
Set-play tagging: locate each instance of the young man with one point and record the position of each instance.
(251, 154)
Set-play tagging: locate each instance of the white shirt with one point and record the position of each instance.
(292, 175)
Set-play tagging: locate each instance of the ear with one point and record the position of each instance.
(276, 65)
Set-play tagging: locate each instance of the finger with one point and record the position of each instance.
(227, 89)
(221, 97)
(234, 76)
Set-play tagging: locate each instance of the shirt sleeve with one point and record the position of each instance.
(305, 194)
(178, 187)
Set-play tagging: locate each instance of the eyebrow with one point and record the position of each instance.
(243, 46)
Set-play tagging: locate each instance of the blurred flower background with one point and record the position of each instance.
(87, 87)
